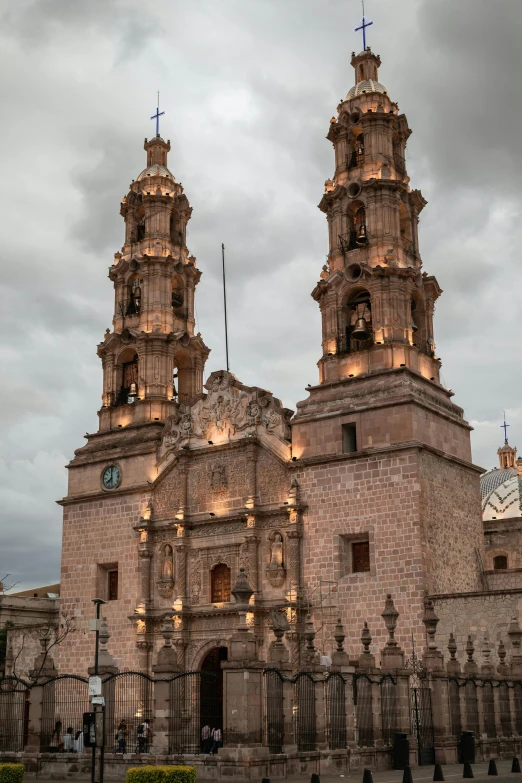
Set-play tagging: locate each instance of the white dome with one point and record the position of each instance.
(494, 478)
(366, 86)
(156, 170)
(504, 502)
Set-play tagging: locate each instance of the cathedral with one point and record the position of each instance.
(368, 488)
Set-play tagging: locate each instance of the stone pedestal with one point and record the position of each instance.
(165, 668)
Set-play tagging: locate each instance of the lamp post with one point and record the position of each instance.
(98, 602)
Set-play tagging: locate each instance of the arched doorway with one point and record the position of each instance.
(211, 697)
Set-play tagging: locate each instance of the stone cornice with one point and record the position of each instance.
(100, 494)
(374, 451)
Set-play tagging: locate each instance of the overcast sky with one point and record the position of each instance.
(248, 87)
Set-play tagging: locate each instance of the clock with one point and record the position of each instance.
(111, 477)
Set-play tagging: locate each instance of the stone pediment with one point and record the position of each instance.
(229, 411)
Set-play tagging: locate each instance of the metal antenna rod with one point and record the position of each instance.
(225, 302)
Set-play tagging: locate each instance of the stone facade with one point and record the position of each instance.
(368, 489)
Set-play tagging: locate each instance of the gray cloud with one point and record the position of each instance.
(249, 89)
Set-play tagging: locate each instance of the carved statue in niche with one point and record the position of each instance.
(165, 583)
(275, 570)
(218, 478)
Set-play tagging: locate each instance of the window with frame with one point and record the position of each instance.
(354, 554)
(220, 583)
(112, 585)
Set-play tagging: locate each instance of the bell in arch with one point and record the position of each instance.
(137, 296)
(360, 236)
(133, 389)
(360, 330)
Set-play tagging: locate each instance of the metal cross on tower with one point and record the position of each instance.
(363, 26)
(157, 116)
(504, 427)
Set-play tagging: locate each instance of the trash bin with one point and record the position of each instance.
(467, 747)
(401, 751)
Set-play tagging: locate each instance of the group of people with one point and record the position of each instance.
(143, 735)
(70, 742)
(211, 739)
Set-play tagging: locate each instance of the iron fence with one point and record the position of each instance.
(196, 712)
(14, 714)
(274, 715)
(128, 712)
(363, 701)
(336, 711)
(305, 726)
(388, 688)
(64, 700)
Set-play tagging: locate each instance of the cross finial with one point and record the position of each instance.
(364, 24)
(157, 116)
(504, 427)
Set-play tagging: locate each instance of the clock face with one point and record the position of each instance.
(111, 477)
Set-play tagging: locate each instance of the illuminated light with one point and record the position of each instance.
(178, 622)
(251, 521)
(177, 605)
(212, 514)
(250, 618)
(402, 365)
(351, 375)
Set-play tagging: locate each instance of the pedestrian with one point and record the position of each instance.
(56, 738)
(68, 741)
(121, 737)
(78, 742)
(216, 740)
(205, 738)
(147, 733)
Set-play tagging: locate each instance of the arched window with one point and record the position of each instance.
(134, 296)
(128, 377)
(358, 315)
(500, 563)
(220, 583)
(361, 73)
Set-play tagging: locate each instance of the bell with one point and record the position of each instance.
(360, 331)
(133, 389)
(361, 235)
(414, 327)
(137, 296)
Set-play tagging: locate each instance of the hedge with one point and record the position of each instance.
(12, 773)
(151, 774)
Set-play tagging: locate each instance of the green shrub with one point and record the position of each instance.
(150, 774)
(12, 773)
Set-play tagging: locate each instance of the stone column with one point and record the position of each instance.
(293, 536)
(165, 668)
(43, 670)
(145, 558)
(181, 569)
(252, 498)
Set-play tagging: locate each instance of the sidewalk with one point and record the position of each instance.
(452, 772)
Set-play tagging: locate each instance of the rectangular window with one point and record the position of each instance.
(349, 438)
(360, 556)
(112, 585)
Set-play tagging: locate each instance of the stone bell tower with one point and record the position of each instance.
(152, 358)
(382, 453)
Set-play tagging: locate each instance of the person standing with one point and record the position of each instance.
(121, 737)
(205, 738)
(216, 740)
(78, 742)
(68, 741)
(56, 738)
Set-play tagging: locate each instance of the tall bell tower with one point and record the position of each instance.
(152, 359)
(381, 452)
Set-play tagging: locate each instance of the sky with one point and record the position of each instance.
(248, 87)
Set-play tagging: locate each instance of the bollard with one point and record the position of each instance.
(515, 767)
(406, 775)
(265, 780)
(315, 778)
(492, 768)
(437, 773)
(468, 771)
(367, 776)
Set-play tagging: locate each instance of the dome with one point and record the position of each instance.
(504, 502)
(156, 170)
(367, 86)
(494, 478)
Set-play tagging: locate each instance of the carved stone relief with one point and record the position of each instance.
(229, 409)
(218, 478)
(195, 576)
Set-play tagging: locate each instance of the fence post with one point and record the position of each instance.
(279, 657)
(242, 681)
(44, 669)
(445, 744)
(166, 666)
